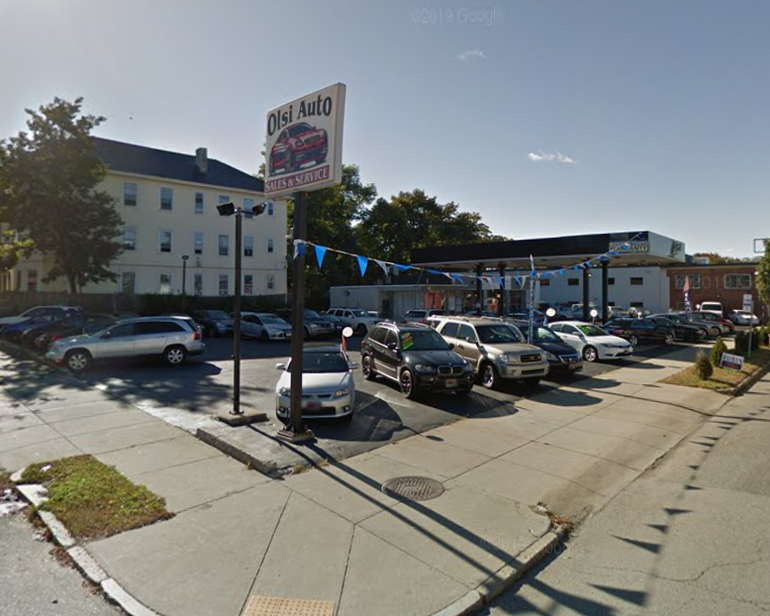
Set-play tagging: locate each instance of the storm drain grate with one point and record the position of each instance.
(413, 488)
(278, 606)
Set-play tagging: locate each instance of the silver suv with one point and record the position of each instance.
(172, 339)
(496, 349)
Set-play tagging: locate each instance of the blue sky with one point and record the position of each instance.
(547, 117)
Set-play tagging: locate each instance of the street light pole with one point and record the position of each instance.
(184, 281)
(229, 209)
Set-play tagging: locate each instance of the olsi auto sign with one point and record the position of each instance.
(304, 143)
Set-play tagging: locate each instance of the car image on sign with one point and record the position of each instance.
(297, 145)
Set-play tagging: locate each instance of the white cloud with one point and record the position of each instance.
(558, 157)
(470, 55)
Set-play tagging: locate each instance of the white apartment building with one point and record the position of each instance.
(173, 232)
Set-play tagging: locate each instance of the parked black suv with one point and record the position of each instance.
(416, 357)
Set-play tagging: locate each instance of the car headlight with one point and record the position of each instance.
(468, 367)
(550, 356)
(220, 327)
(313, 325)
(345, 391)
(285, 391)
(507, 358)
(425, 369)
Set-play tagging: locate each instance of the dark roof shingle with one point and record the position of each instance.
(142, 160)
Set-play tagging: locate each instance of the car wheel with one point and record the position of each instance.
(41, 342)
(366, 368)
(704, 333)
(78, 360)
(406, 380)
(715, 331)
(590, 354)
(489, 376)
(264, 336)
(669, 339)
(361, 330)
(633, 339)
(175, 355)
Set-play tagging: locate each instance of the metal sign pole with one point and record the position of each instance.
(296, 430)
(237, 317)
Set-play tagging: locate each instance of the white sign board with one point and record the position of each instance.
(731, 361)
(303, 147)
(748, 303)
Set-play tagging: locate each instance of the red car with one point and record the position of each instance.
(297, 145)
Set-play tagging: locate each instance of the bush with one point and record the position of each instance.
(717, 350)
(703, 367)
(764, 335)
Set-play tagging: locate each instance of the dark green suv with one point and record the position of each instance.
(416, 357)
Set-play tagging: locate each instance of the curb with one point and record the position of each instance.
(268, 469)
(83, 561)
(747, 383)
(507, 576)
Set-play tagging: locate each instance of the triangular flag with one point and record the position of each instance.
(320, 252)
(575, 267)
(587, 263)
(458, 278)
(299, 248)
(561, 272)
(517, 279)
(382, 265)
(546, 275)
(502, 282)
(363, 262)
(402, 268)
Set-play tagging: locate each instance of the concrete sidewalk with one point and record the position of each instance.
(330, 533)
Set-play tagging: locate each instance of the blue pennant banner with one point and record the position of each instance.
(320, 253)
(363, 262)
(299, 249)
(402, 268)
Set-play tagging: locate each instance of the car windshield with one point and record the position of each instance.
(219, 315)
(299, 129)
(312, 314)
(360, 313)
(422, 340)
(591, 330)
(269, 318)
(315, 362)
(542, 334)
(499, 333)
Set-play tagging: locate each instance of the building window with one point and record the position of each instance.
(737, 281)
(270, 245)
(269, 208)
(224, 245)
(129, 193)
(224, 284)
(270, 281)
(166, 198)
(223, 199)
(198, 284)
(165, 241)
(545, 282)
(248, 205)
(610, 281)
(248, 284)
(573, 282)
(637, 305)
(32, 280)
(198, 242)
(199, 203)
(637, 281)
(679, 281)
(165, 284)
(248, 246)
(128, 283)
(129, 238)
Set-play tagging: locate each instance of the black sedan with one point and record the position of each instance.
(42, 336)
(562, 359)
(682, 331)
(639, 330)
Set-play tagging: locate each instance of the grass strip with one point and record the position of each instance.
(722, 378)
(94, 500)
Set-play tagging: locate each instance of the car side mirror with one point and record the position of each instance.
(354, 365)
(280, 366)
(451, 345)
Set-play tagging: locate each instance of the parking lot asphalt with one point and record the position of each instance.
(189, 396)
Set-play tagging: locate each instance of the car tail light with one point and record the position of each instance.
(197, 335)
(55, 337)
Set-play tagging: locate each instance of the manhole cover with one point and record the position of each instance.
(278, 606)
(413, 488)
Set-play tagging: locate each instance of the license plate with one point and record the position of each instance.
(451, 382)
(312, 406)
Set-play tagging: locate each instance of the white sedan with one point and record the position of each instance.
(590, 341)
(742, 317)
(328, 389)
(264, 326)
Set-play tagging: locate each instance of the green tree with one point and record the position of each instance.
(391, 230)
(13, 249)
(716, 259)
(331, 215)
(48, 192)
(763, 278)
